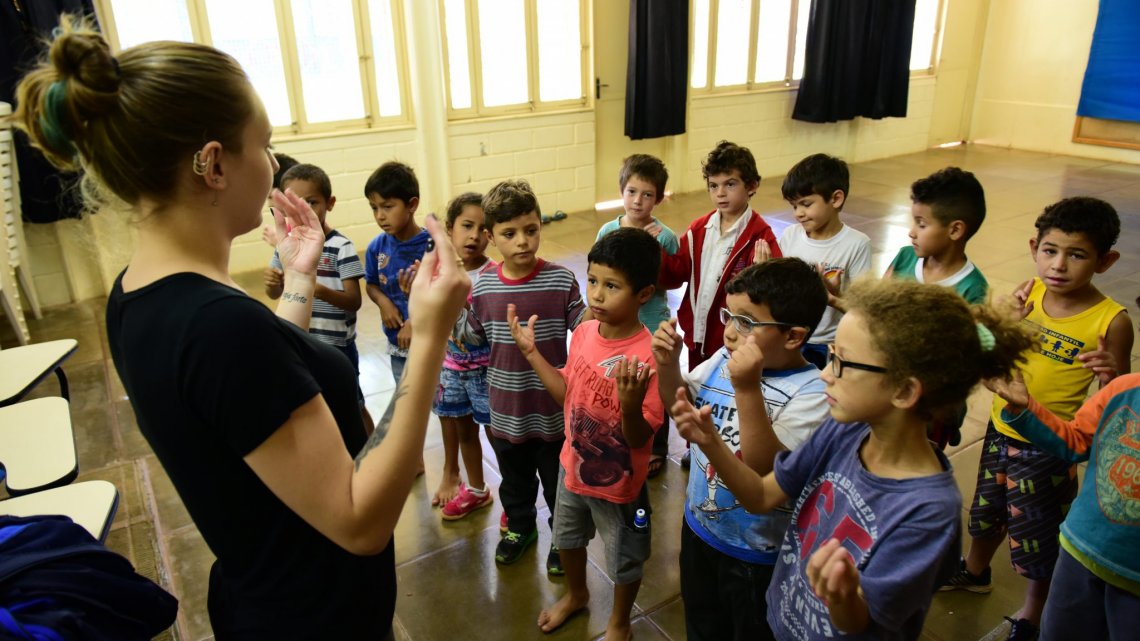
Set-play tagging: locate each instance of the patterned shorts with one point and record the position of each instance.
(463, 394)
(1026, 490)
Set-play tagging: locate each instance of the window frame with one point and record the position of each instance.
(789, 82)
(290, 57)
(475, 66)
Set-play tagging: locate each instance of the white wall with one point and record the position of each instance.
(1029, 81)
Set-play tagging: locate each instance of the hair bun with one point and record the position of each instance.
(83, 59)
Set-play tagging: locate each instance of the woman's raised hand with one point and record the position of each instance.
(300, 236)
(440, 287)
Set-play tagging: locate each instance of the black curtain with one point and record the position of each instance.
(657, 78)
(857, 60)
(46, 194)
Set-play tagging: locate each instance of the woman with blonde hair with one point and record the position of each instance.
(255, 422)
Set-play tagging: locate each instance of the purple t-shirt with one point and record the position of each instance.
(904, 535)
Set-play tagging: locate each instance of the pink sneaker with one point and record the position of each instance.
(465, 503)
(503, 523)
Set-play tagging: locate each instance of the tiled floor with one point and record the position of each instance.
(450, 587)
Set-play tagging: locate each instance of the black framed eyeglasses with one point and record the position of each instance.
(837, 364)
(745, 325)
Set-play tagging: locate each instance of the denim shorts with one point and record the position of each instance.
(463, 394)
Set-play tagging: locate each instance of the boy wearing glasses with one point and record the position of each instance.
(727, 553)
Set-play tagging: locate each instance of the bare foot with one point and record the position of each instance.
(551, 618)
(621, 632)
(448, 488)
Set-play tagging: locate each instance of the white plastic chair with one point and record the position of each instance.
(37, 445)
(23, 367)
(91, 504)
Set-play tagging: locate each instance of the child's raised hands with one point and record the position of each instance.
(693, 425)
(1012, 390)
(666, 344)
(746, 365)
(832, 281)
(523, 334)
(274, 278)
(406, 276)
(632, 382)
(761, 251)
(832, 573)
(269, 234)
(1021, 298)
(1101, 362)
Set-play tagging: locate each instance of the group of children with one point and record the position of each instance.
(816, 402)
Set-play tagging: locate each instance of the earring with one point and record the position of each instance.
(200, 166)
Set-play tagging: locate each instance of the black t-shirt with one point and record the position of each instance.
(211, 373)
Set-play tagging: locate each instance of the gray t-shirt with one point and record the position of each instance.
(846, 255)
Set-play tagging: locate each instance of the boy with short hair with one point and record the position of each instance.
(337, 292)
(611, 413)
(526, 429)
(642, 180)
(948, 208)
(728, 554)
(1083, 336)
(717, 246)
(817, 188)
(394, 194)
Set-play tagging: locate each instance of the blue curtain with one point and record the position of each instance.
(1111, 90)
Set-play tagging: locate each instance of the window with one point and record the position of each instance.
(756, 44)
(318, 65)
(534, 58)
(926, 24)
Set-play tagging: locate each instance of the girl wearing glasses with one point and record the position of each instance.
(875, 528)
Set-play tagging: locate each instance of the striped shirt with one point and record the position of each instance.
(338, 263)
(521, 408)
(469, 356)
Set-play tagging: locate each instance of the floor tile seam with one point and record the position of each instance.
(161, 535)
(161, 542)
(661, 606)
(460, 541)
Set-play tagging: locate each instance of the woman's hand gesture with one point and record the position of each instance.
(300, 235)
(439, 289)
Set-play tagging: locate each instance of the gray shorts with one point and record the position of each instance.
(577, 517)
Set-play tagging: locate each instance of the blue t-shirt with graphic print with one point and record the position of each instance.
(383, 260)
(796, 405)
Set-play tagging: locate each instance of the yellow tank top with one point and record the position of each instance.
(1052, 372)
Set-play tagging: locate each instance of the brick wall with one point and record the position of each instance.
(554, 152)
(762, 122)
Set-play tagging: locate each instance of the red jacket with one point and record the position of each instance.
(685, 267)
